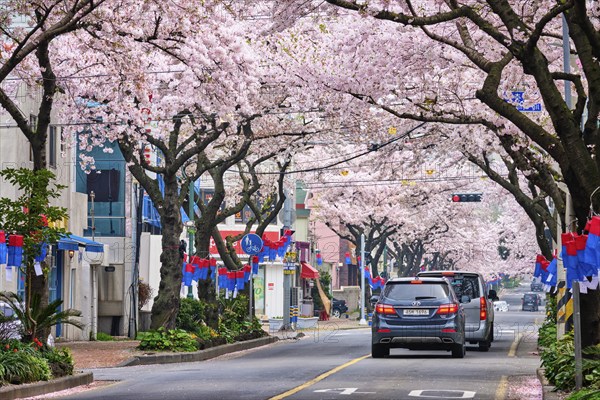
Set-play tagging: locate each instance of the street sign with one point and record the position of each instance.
(517, 97)
(289, 268)
(251, 244)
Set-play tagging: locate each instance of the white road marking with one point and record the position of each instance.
(443, 394)
(342, 391)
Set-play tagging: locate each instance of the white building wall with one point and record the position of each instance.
(274, 290)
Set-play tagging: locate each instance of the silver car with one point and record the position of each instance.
(477, 302)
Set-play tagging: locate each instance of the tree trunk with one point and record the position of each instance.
(590, 318)
(166, 303)
(39, 284)
(206, 288)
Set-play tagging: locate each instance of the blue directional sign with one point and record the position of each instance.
(251, 244)
(518, 99)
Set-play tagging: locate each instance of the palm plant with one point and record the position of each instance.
(39, 319)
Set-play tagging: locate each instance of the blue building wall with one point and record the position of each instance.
(107, 181)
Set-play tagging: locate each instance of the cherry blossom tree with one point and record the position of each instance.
(196, 95)
(28, 31)
(483, 65)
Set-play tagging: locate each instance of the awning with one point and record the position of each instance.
(308, 271)
(72, 242)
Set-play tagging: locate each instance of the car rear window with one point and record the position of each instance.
(465, 285)
(529, 297)
(422, 291)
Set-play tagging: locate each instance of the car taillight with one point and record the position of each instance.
(384, 309)
(482, 309)
(448, 309)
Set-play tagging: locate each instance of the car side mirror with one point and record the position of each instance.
(374, 299)
(492, 295)
(465, 299)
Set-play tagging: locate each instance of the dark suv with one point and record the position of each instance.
(418, 314)
(537, 286)
(531, 302)
(338, 307)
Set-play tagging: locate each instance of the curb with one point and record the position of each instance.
(212, 352)
(38, 388)
(548, 391)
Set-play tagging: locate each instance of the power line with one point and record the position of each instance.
(403, 181)
(407, 133)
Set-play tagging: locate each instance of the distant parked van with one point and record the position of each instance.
(477, 303)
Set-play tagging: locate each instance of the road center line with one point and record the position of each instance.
(317, 379)
(502, 388)
(513, 347)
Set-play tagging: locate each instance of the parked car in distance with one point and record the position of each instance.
(419, 313)
(501, 305)
(531, 302)
(479, 307)
(537, 286)
(338, 307)
(10, 327)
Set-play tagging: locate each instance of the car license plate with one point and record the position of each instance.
(412, 311)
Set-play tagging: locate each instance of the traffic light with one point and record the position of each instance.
(465, 197)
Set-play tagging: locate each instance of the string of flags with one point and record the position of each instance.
(11, 252)
(376, 283)
(232, 282)
(581, 258)
(273, 249)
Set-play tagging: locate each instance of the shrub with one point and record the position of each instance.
(39, 318)
(585, 394)
(234, 324)
(207, 337)
(191, 314)
(59, 360)
(104, 337)
(547, 334)
(559, 362)
(18, 367)
(167, 340)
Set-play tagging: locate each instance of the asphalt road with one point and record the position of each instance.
(337, 365)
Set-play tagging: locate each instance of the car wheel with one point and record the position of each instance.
(379, 351)
(485, 345)
(336, 313)
(458, 350)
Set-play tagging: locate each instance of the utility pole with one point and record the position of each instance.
(94, 326)
(190, 293)
(362, 321)
(287, 224)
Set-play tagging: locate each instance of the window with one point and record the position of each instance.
(408, 291)
(62, 144)
(52, 147)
